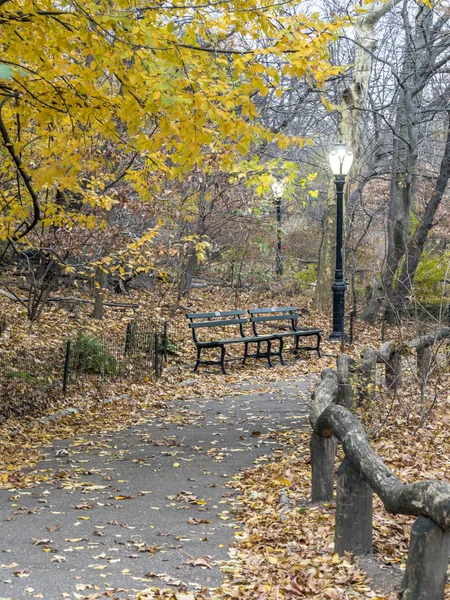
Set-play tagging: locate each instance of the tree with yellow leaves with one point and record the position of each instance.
(165, 83)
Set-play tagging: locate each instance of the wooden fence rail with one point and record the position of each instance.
(390, 354)
(360, 474)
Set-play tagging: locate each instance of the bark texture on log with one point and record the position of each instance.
(345, 365)
(323, 452)
(393, 371)
(353, 530)
(385, 351)
(424, 362)
(324, 395)
(428, 498)
(431, 338)
(368, 371)
(101, 278)
(368, 362)
(426, 567)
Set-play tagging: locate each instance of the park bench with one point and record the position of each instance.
(237, 319)
(226, 320)
(285, 320)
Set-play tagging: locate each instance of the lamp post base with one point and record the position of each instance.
(336, 336)
(338, 309)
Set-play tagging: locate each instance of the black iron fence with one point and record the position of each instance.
(140, 353)
(29, 378)
(33, 376)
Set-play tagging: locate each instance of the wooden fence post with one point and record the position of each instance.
(393, 371)
(424, 361)
(368, 372)
(345, 367)
(323, 451)
(427, 564)
(353, 530)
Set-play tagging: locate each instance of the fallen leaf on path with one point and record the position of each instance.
(199, 562)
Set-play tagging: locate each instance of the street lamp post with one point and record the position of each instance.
(277, 189)
(340, 159)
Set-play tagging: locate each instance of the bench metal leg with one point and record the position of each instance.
(197, 362)
(222, 359)
(318, 345)
(245, 352)
(296, 344)
(269, 346)
(280, 352)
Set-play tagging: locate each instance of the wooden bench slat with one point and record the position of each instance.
(291, 317)
(227, 313)
(217, 323)
(298, 332)
(253, 311)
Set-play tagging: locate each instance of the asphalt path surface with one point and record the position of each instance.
(146, 506)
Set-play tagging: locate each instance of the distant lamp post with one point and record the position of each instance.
(340, 159)
(277, 189)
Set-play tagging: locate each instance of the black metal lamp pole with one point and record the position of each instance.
(277, 189)
(340, 159)
(339, 286)
(279, 258)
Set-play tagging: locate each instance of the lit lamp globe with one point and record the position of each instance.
(277, 189)
(340, 159)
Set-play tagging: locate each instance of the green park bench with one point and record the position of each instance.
(227, 327)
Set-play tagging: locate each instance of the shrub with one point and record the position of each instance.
(306, 276)
(91, 355)
(431, 271)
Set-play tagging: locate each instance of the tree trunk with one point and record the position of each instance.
(327, 258)
(370, 312)
(417, 243)
(354, 99)
(418, 62)
(188, 269)
(101, 278)
(185, 286)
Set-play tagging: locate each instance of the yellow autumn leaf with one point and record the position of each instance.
(284, 481)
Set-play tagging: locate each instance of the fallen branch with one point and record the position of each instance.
(11, 296)
(86, 301)
(24, 301)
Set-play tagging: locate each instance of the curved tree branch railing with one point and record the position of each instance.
(360, 474)
(390, 354)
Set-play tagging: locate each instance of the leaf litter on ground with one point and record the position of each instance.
(284, 547)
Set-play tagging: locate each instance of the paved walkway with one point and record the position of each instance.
(138, 508)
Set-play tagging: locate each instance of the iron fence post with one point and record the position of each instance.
(127, 339)
(66, 367)
(165, 341)
(156, 356)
